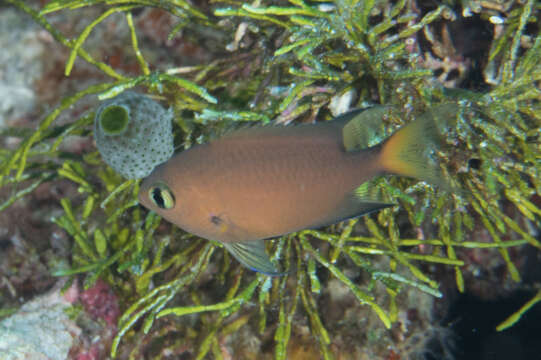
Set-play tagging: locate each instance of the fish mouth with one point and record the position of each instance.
(143, 193)
(142, 198)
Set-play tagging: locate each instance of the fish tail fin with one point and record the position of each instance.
(408, 152)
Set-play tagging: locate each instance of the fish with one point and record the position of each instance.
(263, 182)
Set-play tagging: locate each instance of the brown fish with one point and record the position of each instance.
(261, 182)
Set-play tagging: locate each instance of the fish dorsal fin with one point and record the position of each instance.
(365, 127)
(330, 130)
(254, 130)
(252, 254)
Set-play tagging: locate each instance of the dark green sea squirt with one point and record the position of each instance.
(262, 182)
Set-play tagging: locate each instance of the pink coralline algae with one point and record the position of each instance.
(92, 354)
(101, 302)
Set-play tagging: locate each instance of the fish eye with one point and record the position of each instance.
(161, 196)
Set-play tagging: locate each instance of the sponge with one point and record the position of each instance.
(133, 134)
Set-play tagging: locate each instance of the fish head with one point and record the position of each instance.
(181, 200)
(175, 201)
(199, 213)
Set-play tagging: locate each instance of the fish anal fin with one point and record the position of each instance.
(252, 254)
(361, 201)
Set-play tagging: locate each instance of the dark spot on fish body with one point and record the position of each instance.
(215, 220)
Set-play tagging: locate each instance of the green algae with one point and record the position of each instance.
(324, 50)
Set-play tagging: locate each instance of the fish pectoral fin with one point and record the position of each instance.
(253, 255)
(363, 125)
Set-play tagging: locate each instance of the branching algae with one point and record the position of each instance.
(291, 61)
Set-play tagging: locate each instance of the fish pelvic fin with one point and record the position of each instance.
(410, 150)
(252, 254)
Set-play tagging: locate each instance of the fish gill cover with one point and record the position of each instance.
(296, 61)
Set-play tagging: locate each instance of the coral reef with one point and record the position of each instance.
(20, 66)
(41, 329)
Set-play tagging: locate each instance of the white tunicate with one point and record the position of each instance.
(326, 7)
(466, 12)
(496, 20)
(143, 143)
(341, 103)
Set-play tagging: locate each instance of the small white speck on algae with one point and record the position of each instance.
(133, 134)
(341, 103)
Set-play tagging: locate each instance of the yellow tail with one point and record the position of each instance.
(409, 151)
